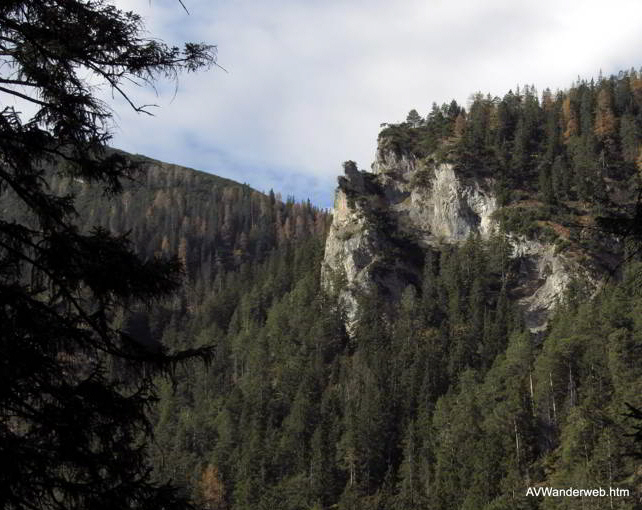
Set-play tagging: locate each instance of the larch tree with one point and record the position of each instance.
(605, 121)
(570, 118)
(73, 435)
(212, 488)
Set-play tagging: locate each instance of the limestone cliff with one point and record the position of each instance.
(384, 220)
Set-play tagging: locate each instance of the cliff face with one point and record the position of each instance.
(384, 220)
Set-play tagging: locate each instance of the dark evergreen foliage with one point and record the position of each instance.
(442, 400)
(71, 435)
(445, 402)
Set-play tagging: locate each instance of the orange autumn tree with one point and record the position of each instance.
(212, 489)
(570, 118)
(605, 122)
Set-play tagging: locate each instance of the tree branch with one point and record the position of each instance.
(27, 98)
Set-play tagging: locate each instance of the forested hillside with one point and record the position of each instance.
(210, 223)
(447, 401)
(442, 401)
(448, 404)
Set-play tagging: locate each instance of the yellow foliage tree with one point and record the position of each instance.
(570, 119)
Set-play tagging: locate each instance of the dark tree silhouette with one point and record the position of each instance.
(71, 434)
(635, 414)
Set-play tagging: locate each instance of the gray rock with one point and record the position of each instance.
(425, 205)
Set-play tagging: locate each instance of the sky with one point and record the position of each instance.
(307, 83)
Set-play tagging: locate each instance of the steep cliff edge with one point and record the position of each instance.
(385, 220)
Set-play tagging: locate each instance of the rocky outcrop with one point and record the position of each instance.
(364, 245)
(383, 221)
(543, 278)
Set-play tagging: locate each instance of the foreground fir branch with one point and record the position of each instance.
(72, 435)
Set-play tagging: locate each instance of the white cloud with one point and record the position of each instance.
(310, 82)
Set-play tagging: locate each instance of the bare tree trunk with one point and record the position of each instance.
(571, 386)
(516, 440)
(530, 377)
(608, 442)
(550, 380)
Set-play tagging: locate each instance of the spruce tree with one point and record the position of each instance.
(71, 434)
(414, 119)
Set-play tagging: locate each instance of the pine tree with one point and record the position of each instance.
(561, 178)
(321, 466)
(410, 492)
(546, 189)
(629, 138)
(459, 126)
(587, 109)
(414, 119)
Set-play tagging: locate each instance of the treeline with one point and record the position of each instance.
(572, 145)
(213, 225)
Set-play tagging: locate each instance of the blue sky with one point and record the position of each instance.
(309, 83)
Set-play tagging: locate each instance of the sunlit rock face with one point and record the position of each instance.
(385, 220)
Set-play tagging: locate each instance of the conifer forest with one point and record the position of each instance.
(174, 339)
